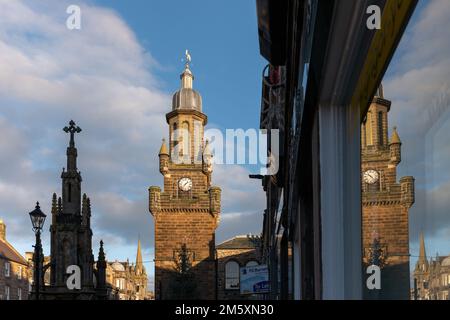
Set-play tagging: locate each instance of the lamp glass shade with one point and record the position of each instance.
(37, 218)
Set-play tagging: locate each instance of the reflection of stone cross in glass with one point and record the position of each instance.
(72, 129)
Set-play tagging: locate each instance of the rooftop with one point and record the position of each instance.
(8, 252)
(241, 242)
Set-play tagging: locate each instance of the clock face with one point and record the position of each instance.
(185, 184)
(370, 176)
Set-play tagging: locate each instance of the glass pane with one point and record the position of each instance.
(405, 167)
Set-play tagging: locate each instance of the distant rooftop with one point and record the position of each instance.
(241, 242)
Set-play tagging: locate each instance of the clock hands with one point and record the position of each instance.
(371, 176)
(185, 184)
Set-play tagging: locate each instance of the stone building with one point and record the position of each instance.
(186, 212)
(431, 278)
(128, 280)
(14, 270)
(386, 203)
(330, 69)
(71, 238)
(233, 254)
(439, 278)
(46, 262)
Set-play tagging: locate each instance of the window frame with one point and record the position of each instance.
(19, 272)
(7, 293)
(7, 269)
(228, 278)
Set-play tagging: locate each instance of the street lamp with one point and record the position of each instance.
(37, 220)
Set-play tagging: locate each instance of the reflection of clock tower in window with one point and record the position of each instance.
(385, 203)
(187, 211)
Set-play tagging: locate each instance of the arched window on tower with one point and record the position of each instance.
(69, 191)
(185, 140)
(363, 133)
(231, 275)
(198, 140)
(380, 129)
(174, 135)
(369, 138)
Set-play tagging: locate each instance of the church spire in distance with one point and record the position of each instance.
(422, 263)
(139, 262)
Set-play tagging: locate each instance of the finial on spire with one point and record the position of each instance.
(186, 76)
(206, 149)
(380, 92)
(163, 149)
(395, 138)
(60, 207)
(54, 204)
(101, 252)
(188, 57)
(72, 129)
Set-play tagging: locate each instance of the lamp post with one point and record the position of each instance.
(37, 220)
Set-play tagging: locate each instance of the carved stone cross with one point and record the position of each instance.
(72, 129)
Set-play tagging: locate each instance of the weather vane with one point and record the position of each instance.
(188, 57)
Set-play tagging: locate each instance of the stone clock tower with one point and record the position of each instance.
(186, 212)
(385, 204)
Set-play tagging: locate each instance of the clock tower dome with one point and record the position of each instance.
(186, 212)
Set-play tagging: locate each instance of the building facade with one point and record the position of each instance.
(240, 251)
(332, 66)
(274, 235)
(186, 212)
(71, 239)
(385, 203)
(431, 278)
(439, 278)
(128, 281)
(14, 270)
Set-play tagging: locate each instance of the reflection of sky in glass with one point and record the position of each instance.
(417, 83)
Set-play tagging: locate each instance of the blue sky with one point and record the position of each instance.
(222, 37)
(115, 77)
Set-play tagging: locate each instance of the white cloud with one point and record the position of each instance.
(101, 77)
(418, 76)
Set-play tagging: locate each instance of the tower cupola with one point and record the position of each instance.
(186, 97)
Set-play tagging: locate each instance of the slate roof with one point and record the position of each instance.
(8, 252)
(240, 242)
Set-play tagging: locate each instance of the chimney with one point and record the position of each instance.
(2, 230)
